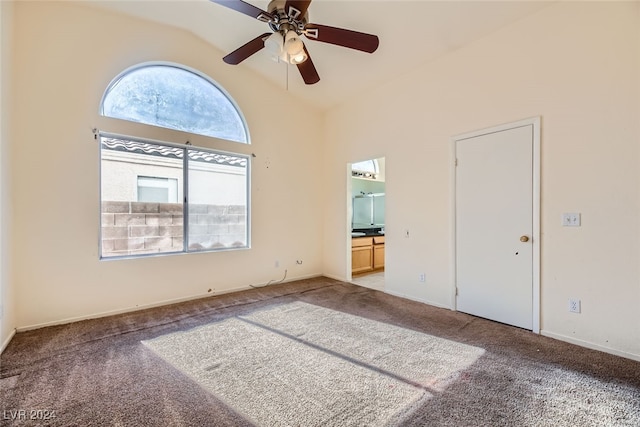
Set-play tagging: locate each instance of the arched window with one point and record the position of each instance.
(167, 196)
(365, 169)
(174, 97)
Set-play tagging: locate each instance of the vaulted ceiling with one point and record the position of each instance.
(411, 33)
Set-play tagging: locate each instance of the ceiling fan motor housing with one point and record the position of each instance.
(286, 19)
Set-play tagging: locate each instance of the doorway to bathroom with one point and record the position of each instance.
(367, 218)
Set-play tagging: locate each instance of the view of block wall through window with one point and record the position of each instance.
(216, 199)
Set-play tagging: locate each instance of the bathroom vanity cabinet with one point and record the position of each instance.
(367, 254)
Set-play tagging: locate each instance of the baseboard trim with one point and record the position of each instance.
(590, 345)
(334, 277)
(7, 341)
(151, 305)
(423, 301)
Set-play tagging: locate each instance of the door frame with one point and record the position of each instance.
(535, 123)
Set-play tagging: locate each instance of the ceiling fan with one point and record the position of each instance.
(288, 20)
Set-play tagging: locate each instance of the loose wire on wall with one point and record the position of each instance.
(271, 282)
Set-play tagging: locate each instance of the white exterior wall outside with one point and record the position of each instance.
(121, 170)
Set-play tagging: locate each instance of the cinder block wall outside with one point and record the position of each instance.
(133, 228)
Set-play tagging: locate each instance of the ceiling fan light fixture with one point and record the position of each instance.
(299, 58)
(292, 43)
(274, 43)
(294, 52)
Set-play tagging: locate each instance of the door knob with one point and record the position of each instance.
(524, 238)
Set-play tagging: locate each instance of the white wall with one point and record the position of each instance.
(576, 65)
(7, 301)
(65, 56)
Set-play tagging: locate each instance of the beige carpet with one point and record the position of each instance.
(301, 364)
(99, 373)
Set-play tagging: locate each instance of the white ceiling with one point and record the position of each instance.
(411, 33)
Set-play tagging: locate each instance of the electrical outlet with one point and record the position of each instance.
(574, 305)
(422, 277)
(571, 220)
(406, 233)
(277, 264)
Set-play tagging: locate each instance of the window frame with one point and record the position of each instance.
(185, 203)
(113, 127)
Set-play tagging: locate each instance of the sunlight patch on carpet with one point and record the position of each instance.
(301, 364)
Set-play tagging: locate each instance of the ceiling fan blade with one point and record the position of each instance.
(341, 37)
(246, 50)
(299, 8)
(308, 70)
(247, 9)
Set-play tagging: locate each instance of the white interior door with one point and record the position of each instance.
(494, 225)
